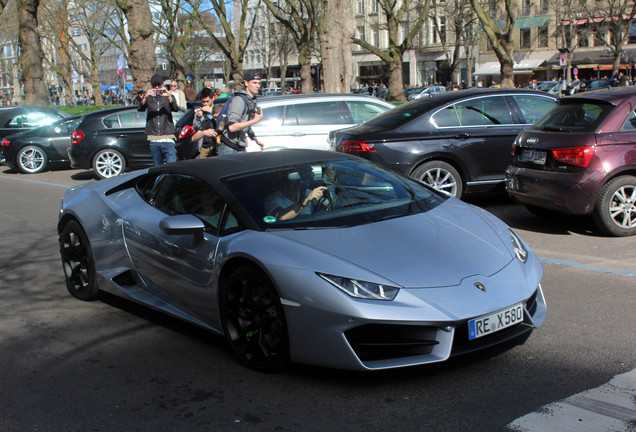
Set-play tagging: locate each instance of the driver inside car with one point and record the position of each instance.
(293, 195)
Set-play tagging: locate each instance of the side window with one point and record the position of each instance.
(290, 116)
(111, 122)
(132, 119)
(182, 194)
(446, 118)
(32, 120)
(486, 111)
(322, 113)
(363, 111)
(630, 123)
(533, 107)
(272, 117)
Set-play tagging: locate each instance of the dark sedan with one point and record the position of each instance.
(38, 149)
(581, 159)
(113, 140)
(20, 118)
(457, 142)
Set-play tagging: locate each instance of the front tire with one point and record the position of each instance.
(254, 320)
(31, 159)
(440, 176)
(615, 209)
(78, 262)
(108, 163)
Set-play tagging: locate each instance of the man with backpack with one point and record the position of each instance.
(234, 123)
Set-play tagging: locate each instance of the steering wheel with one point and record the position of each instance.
(319, 205)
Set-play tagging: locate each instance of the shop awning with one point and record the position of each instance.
(525, 66)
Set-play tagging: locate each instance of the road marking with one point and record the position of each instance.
(588, 267)
(610, 407)
(35, 181)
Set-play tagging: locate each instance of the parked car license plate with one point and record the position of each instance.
(494, 322)
(534, 156)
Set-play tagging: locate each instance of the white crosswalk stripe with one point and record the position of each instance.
(608, 408)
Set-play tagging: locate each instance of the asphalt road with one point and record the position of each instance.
(67, 365)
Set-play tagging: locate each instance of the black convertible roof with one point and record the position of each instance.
(212, 169)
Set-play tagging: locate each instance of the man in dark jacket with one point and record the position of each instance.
(160, 105)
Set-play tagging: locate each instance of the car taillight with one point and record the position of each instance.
(515, 149)
(353, 146)
(577, 156)
(5, 142)
(186, 131)
(77, 136)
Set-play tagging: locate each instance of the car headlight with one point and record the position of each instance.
(520, 251)
(361, 289)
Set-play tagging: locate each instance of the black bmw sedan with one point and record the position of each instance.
(458, 142)
(112, 141)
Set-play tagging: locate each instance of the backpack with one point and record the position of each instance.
(221, 119)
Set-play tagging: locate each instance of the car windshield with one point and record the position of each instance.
(574, 116)
(353, 193)
(401, 115)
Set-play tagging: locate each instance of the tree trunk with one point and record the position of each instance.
(142, 60)
(94, 81)
(31, 54)
(304, 60)
(396, 84)
(337, 46)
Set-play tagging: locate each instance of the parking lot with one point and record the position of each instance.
(110, 366)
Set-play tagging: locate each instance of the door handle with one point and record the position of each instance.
(463, 136)
(298, 134)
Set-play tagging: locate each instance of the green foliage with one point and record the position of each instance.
(79, 110)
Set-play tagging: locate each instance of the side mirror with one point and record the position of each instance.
(183, 225)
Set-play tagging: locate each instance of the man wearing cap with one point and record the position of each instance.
(242, 114)
(160, 105)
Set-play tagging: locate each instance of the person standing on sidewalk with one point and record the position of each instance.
(242, 114)
(160, 105)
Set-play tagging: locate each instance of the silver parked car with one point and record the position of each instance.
(304, 121)
(305, 256)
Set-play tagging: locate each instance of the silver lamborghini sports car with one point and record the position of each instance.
(304, 256)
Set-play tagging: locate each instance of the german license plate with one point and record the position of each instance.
(533, 156)
(494, 322)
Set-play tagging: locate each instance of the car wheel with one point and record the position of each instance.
(108, 163)
(31, 159)
(77, 262)
(615, 209)
(254, 320)
(441, 176)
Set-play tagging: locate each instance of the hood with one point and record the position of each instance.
(432, 249)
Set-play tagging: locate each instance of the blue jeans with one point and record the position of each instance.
(225, 149)
(163, 152)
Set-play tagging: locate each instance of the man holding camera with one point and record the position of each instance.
(242, 114)
(160, 105)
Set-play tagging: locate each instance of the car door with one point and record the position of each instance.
(173, 266)
(484, 137)
(59, 136)
(302, 125)
(128, 127)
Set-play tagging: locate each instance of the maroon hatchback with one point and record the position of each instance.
(580, 158)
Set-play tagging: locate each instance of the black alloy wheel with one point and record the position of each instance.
(78, 263)
(254, 320)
